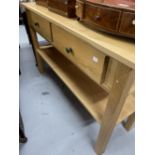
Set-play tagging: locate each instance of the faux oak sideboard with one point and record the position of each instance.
(98, 68)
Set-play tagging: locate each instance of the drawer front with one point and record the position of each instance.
(88, 59)
(128, 24)
(104, 17)
(41, 25)
(41, 2)
(62, 5)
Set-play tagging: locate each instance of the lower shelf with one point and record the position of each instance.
(93, 97)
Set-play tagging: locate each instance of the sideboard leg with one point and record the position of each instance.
(122, 82)
(40, 63)
(130, 122)
(35, 44)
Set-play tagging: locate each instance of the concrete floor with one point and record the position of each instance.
(55, 121)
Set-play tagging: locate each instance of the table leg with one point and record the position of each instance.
(35, 44)
(124, 77)
(130, 122)
(27, 26)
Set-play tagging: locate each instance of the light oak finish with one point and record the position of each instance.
(130, 122)
(41, 25)
(123, 80)
(89, 93)
(109, 78)
(88, 59)
(117, 48)
(106, 89)
(35, 43)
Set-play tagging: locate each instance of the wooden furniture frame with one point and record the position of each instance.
(111, 16)
(109, 100)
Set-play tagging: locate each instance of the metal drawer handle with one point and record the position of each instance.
(69, 50)
(36, 24)
(133, 22)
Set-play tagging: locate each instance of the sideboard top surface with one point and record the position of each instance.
(120, 49)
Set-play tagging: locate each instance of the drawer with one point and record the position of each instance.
(58, 5)
(84, 56)
(127, 25)
(107, 18)
(41, 2)
(41, 25)
(62, 7)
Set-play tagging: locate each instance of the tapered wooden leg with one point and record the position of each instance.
(122, 82)
(130, 122)
(38, 58)
(35, 44)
